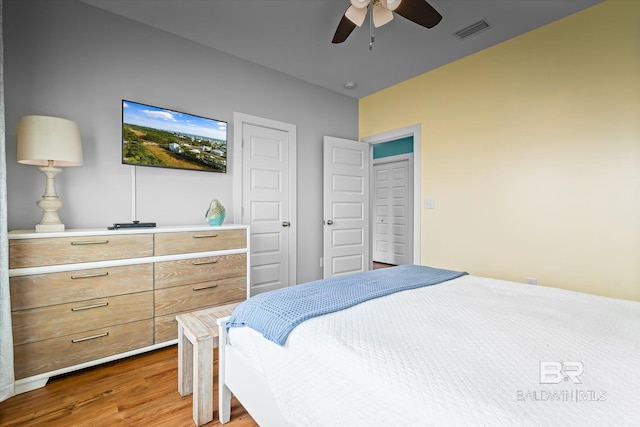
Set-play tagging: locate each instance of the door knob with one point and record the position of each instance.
(329, 222)
(286, 223)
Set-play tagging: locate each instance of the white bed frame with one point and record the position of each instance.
(236, 376)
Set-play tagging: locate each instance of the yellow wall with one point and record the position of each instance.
(531, 150)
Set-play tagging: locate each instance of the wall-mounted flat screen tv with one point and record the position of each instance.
(154, 136)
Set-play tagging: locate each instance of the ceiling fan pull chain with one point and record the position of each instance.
(371, 37)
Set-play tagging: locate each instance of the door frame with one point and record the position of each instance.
(239, 120)
(409, 131)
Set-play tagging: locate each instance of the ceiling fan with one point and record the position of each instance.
(381, 12)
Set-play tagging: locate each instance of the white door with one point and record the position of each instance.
(346, 206)
(393, 210)
(268, 202)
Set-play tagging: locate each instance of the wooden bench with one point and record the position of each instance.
(197, 336)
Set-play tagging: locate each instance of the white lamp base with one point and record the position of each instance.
(48, 228)
(50, 204)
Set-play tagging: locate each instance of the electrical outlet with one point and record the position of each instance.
(321, 262)
(429, 204)
(532, 281)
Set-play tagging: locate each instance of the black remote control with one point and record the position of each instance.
(134, 224)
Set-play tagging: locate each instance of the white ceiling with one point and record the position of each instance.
(294, 36)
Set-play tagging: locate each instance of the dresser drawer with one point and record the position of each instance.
(71, 250)
(199, 241)
(41, 290)
(64, 319)
(166, 327)
(190, 297)
(197, 270)
(44, 356)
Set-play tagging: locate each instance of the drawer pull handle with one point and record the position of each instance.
(204, 236)
(204, 288)
(90, 242)
(92, 337)
(215, 261)
(89, 307)
(90, 275)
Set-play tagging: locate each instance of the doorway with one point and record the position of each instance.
(414, 227)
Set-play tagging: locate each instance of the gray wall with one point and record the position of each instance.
(68, 59)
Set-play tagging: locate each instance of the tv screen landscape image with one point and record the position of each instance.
(153, 136)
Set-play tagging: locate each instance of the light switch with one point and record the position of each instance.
(429, 204)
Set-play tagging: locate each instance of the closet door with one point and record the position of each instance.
(393, 211)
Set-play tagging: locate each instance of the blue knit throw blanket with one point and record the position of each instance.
(275, 314)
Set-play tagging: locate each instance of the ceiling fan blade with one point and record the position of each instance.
(420, 12)
(345, 27)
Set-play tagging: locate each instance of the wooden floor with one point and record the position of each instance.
(136, 391)
(377, 265)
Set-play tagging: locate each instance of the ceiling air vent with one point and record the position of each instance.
(473, 29)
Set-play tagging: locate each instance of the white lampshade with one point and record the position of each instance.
(43, 138)
(360, 4)
(390, 4)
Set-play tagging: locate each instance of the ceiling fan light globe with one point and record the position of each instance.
(356, 15)
(381, 15)
(390, 4)
(360, 4)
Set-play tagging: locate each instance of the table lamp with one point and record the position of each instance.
(49, 142)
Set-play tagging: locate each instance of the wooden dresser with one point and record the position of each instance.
(84, 297)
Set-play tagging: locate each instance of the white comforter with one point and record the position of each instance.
(465, 352)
